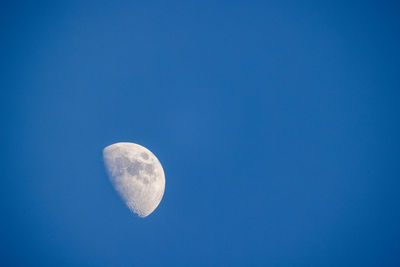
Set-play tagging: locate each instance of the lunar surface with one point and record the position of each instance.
(137, 175)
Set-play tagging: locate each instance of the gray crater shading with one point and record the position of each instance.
(134, 167)
(149, 168)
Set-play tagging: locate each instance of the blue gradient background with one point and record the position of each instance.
(277, 125)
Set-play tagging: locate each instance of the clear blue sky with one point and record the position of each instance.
(277, 124)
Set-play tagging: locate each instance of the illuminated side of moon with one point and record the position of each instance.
(137, 175)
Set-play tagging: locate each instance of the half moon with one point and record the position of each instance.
(137, 175)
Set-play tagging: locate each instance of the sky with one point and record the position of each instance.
(276, 123)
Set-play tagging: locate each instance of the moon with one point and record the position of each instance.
(136, 175)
